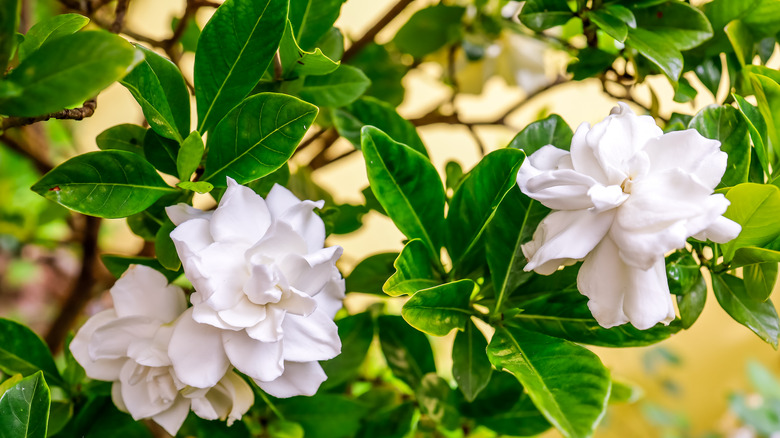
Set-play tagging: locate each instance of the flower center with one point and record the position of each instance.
(627, 185)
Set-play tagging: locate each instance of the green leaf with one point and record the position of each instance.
(297, 62)
(408, 187)
(158, 86)
(752, 255)
(324, 415)
(764, 17)
(161, 152)
(440, 309)
(437, 402)
(623, 392)
(386, 71)
(551, 130)
(256, 138)
(336, 89)
(757, 127)
(760, 279)
(767, 93)
(356, 333)
(725, 124)
(201, 187)
(234, 49)
(413, 270)
(430, 29)
(65, 72)
(264, 185)
(9, 383)
(539, 15)
(759, 316)
(285, 429)
(117, 265)
(22, 351)
(658, 50)
(610, 24)
(101, 419)
(24, 409)
(709, 71)
(756, 208)
(566, 382)
(763, 380)
(197, 427)
(679, 23)
(311, 19)
(368, 276)
(189, 39)
(720, 12)
(407, 351)
(165, 249)
(685, 92)
(470, 365)
(190, 154)
(687, 283)
(110, 184)
(590, 62)
(59, 415)
(741, 40)
(10, 11)
(475, 202)
(332, 43)
(124, 137)
(389, 422)
(369, 111)
(49, 30)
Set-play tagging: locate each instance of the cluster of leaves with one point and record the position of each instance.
(266, 71)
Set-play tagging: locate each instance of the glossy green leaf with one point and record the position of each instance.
(566, 382)
(386, 70)
(764, 17)
(161, 152)
(109, 184)
(311, 19)
(369, 111)
(413, 271)
(471, 367)
(721, 12)
(369, 275)
(201, 187)
(65, 72)
(118, 264)
(164, 248)
(332, 43)
(687, 283)
(256, 138)
(741, 40)
(406, 350)
(760, 279)
(752, 255)
(430, 29)
(408, 187)
(757, 127)
(234, 49)
(336, 89)
(124, 137)
(475, 202)
(10, 383)
(613, 26)
(22, 351)
(658, 50)
(539, 15)
(440, 309)
(726, 124)
(297, 62)
(550, 130)
(767, 93)
(756, 208)
(356, 333)
(681, 24)
(158, 86)
(324, 415)
(589, 62)
(190, 154)
(24, 409)
(437, 402)
(759, 316)
(9, 23)
(264, 185)
(709, 71)
(49, 30)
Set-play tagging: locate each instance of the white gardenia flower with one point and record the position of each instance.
(266, 291)
(624, 196)
(128, 345)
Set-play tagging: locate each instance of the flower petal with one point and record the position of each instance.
(242, 215)
(136, 395)
(172, 418)
(258, 360)
(280, 240)
(182, 212)
(689, 152)
(143, 291)
(202, 313)
(261, 288)
(298, 303)
(191, 237)
(298, 214)
(721, 230)
(113, 339)
(331, 299)
(269, 329)
(310, 273)
(100, 369)
(196, 352)
(314, 337)
(219, 273)
(299, 378)
(230, 399)
(243, 314)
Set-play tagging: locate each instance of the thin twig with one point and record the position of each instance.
(306, 143)
(87, 110)
(119, 20)
(477, 140)
(371, 33)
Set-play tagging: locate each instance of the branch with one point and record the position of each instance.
(87, 110)
(371, 33)
(121, 11)
(41, 163)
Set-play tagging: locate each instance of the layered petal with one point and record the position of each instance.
(689, 152)
(299, 378)
(241, 216)
(100, 369)
(258, 360)
(172, 418)
(314, 337)
(197, 353)
(143, 291)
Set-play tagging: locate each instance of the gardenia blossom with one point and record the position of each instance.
(128, 345)
(624, 196)
(266, 291)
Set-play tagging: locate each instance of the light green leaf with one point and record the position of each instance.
(752, 255)
(256, 138)
(109, 184)
(408, 187)
(297, 62)
(440, 309)
(311, 19)
(763, 380)
(356, 333)
(437, 402)
(117, 265)
(760, 279)
(48, 30)
(413, 270)
(24, 409)
(539, 15)
(369, 275)
(339, 88)
(767, 93)
(725, 124)
(406, 350)
(759, 316)
(201, 187)
(10, 11)
(9, 383)
(470, 365)
(23, 352)
(756, 208)
(658, 50)
(190, 154)
(65, 72)
(741, 40)
(234, 49)
(430, 29)
(158, 86)
(124, 137)
(763, 17)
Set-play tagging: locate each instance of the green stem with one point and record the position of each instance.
(276, 412)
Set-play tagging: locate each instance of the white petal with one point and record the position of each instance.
(172, 418)
(648, 301)
(230, 399)
(280, 240)
(330, 299)
(269, 329)
(242, 216)
(182, 212)
(243, 314)
(152, 352)
(721, 230)
(221, 273)
(280, 200)
(261, 288)
(196, 352)
(258, 360)
(583, 156)
(204, 314)
(299, 378)
(116, 395)
(101, 369)
(143, 291)
(314, 337)
(297, 302)
(298, 214)
(190, 238)
(136, 395)
(113, 339)
(690, 152)
(561, 189)
(310, 273)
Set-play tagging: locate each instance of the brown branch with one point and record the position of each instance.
(121, 11)
(87, 110)
(308, 142)
(320, 160)
(371, 33)
(41, 163)
(477, 140)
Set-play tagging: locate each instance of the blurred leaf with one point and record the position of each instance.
(164, 248)
(407, 351)
(741, 40)
(756, 208)
(369, 275)
(763, 18)
(763, 419)
(385, 71)
(356, 333)
(709, 73)
(685, 91)
(59, 415)
(9, 383)
(759, 316)
(24, 409)
(370, 111)
(332, 44)
(725, 124)
(158, 86)
(161, 152)
(550, 130)
(440, 309)
(589, 62)
(454, 175)
(568, 383)
(234, 49)
(430, 29)
(539, 15)
(658, 50)
(752, 255)
(65, 72)
(10, 11)
(336, 89)
(264, 185)
(50, 29)
(413, 270)
(189, 39)
(389, 422)
(323, 415)
(757, 127)
(297, 62)
(763, 380)
(311, 19)
(197, 427)
(106, 420)
(767, 93)
(436, 400)
(23, 352)
(624, 392)
(189, 156)
(118, 264)
(612, 25)
(285, 429)
(125, 137)
(408, 187)
(109, 184)
(256, 138)
(759, 279)
(471, 367)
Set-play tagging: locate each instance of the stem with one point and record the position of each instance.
(87, 110)
(369, 36)
(273, 408)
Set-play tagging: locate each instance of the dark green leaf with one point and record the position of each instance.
(430, 29)
(369, 111)
(297, 62)
(386, 72)
(757, 127)
(763, 18)
(190, 154)
(767, 93)
(437, 402)
(470, 365)
(756, 208)
(685, 91)
(10, 11)
(725, 124)
(551, 130)
(48, 30)
(408, 187)
(566, 382)
(440, 309)
(264, 185)
(590, 62)
(22, 351)
(369, 275)
(759, 316)
(256, 138)
(158, 86)
(189, 38)
(61, 412)
(117, 265)
(197, 427)
(24, 409)
(65, 72)
(73, 374)
(161, 152)
(681, 24)
(692, 303)
(332, 44)
(687, 283)
(311, 19)
(539, 15)
(389, 422)
(356, 333)
(125, 137)
(106, 420)
(760, 279)
(324, 415)
(407, 351)
(339, 88)
(109, 184)
(234, 49)
(413, 270)
(709, 72)
(658, 50)
(164, 248)
(454, 175)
